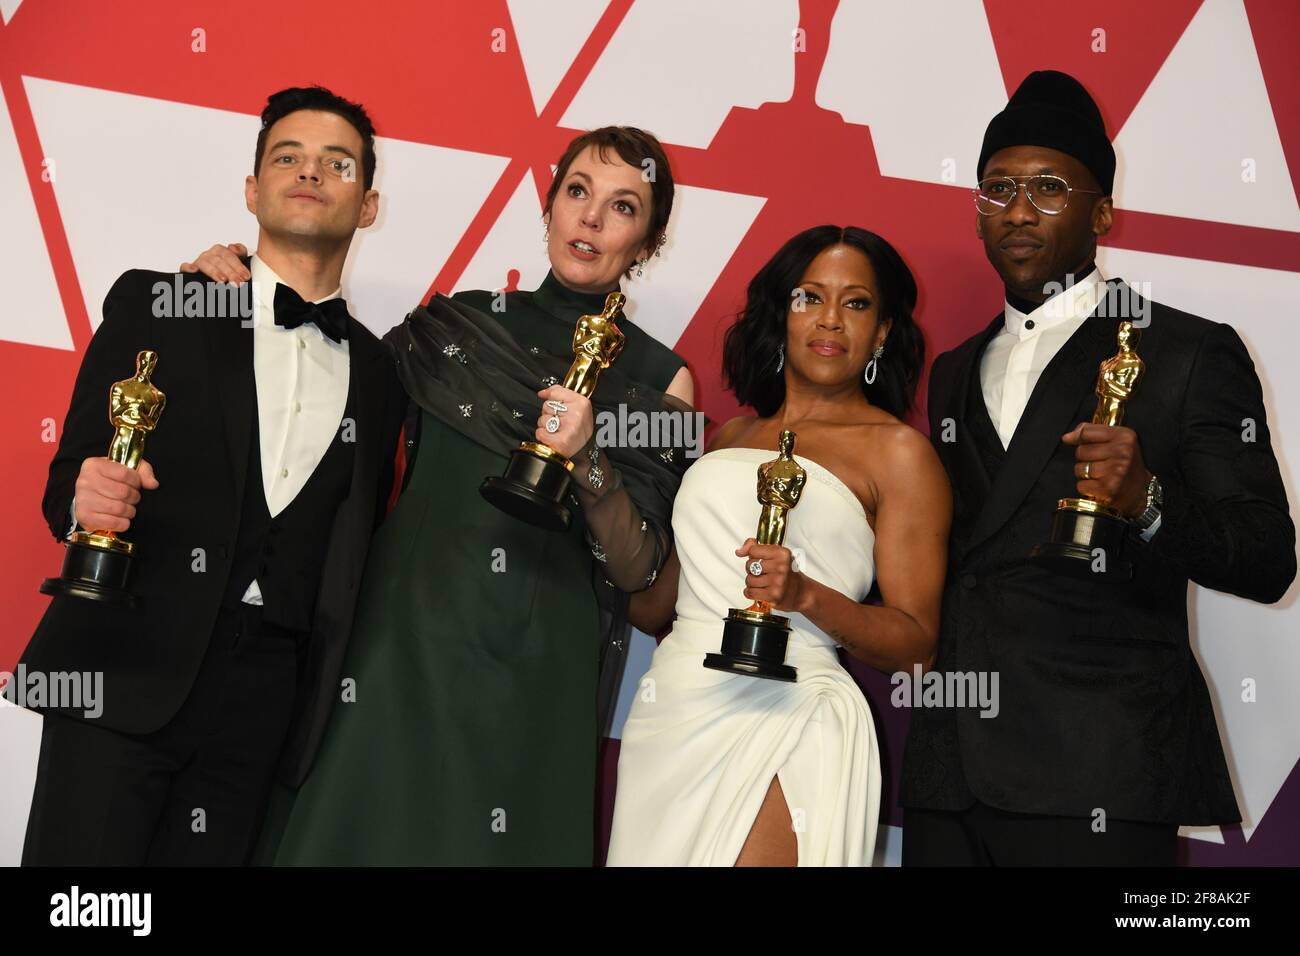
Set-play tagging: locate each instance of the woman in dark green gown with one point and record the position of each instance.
(466, 732)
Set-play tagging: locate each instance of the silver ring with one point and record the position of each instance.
(756, 567)
(553, 424)
(1086, 466)
(559, 408)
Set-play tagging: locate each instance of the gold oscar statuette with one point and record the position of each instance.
(537, 476)
(1084, 528)
(97, 563)
(754, 639)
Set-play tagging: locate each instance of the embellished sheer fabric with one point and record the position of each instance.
(465, 369)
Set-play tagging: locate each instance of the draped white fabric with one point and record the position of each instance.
(700, 747)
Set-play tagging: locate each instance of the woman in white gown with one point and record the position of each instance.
(723, 769)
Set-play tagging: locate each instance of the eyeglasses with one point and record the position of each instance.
(336, 167)
(1048, 194)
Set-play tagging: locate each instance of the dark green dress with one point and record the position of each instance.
(472, 739)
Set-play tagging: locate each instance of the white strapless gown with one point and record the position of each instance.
(700, 747)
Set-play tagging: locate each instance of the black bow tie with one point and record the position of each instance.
(291, 311)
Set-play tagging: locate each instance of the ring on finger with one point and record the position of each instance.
(1087, 469)
(557, 409)
(756, 567)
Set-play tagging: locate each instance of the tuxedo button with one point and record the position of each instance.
(968, 581)
(1029, 323)
(284, 472)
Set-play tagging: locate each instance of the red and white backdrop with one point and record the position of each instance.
(126, 131)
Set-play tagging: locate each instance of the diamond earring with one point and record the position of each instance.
(869, 376)
(780, 351)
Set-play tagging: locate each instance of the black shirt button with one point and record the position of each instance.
(1029, 323)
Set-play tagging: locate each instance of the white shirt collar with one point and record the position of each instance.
(1074, 302)
(264, 281)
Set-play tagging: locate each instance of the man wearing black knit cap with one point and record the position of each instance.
(1103, 739)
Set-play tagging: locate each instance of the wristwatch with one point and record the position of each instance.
(1155, 498)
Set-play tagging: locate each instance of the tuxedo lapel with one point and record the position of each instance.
(960, 455)
(1069, 377)
(365, 355)
(230, 367)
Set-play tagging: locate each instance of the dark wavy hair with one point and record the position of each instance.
(751, 349)
(633, 146)
(295, 98)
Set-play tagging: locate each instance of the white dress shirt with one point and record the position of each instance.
(1015, 358)
(1017, 355)
(302, 390)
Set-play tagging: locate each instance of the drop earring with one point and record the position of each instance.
(869, 376)
(780, 362)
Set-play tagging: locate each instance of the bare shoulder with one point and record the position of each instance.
(730, 432)
(683, 386)
(901, 440)
(901, 453)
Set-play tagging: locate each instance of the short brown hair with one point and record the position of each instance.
(633, 146)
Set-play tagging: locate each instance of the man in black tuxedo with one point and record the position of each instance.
(1104, 740)
(251, 516)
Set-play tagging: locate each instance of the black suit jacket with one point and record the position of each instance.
(185, 530)
(1102, 702)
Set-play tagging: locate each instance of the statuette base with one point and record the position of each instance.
(533, 488)
(1080, 526)
(95, 567)
(753, 644)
